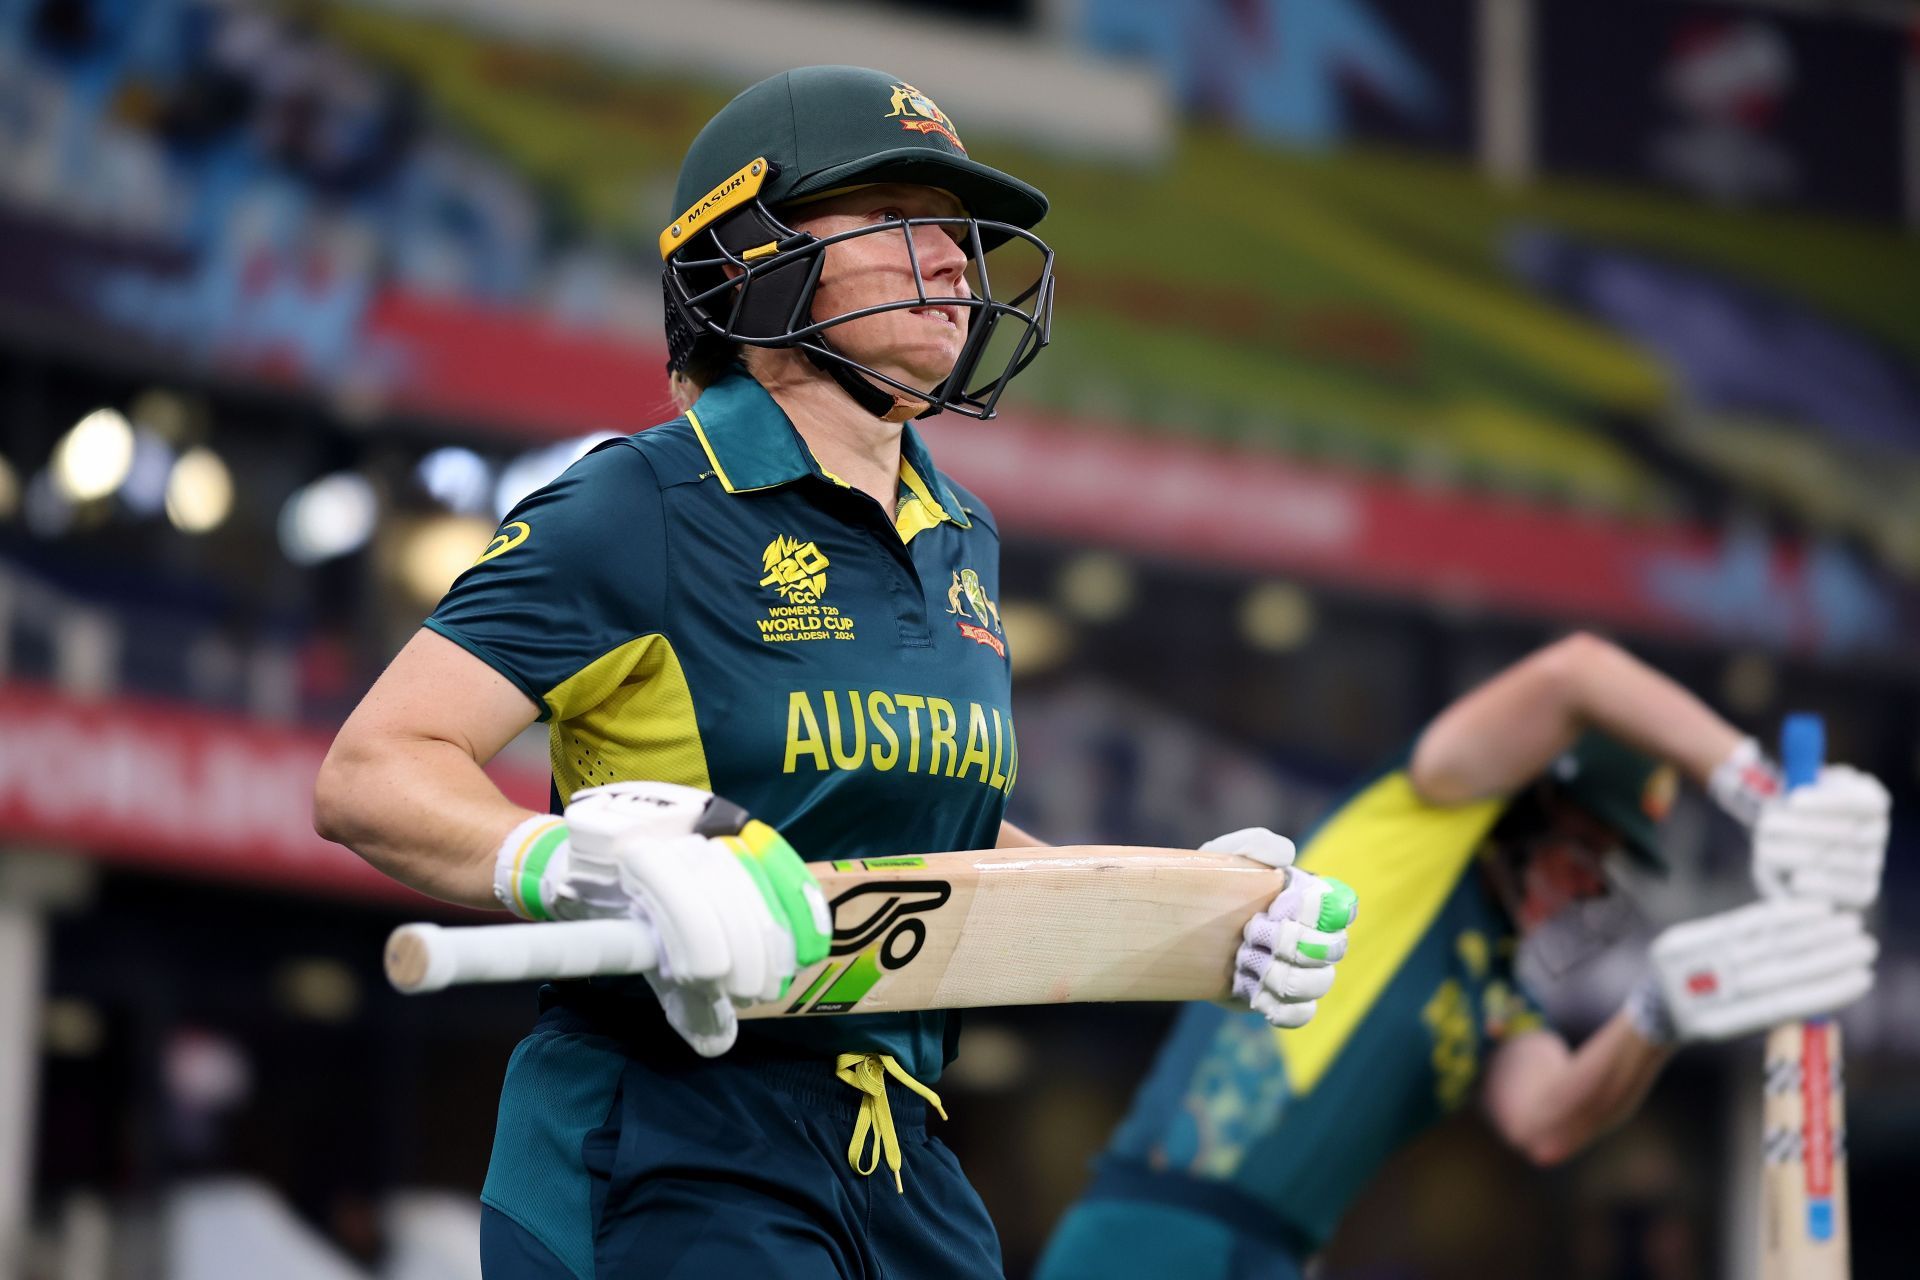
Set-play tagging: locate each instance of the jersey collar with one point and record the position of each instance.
(747, 436)
(752, 445)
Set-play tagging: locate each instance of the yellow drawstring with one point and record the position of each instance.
(868, 1073)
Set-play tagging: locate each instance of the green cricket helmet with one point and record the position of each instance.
(1629, 791)
(818, 131)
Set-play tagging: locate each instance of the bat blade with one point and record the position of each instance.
(1803, 1199)
(1030, 926)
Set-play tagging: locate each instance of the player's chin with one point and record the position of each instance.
(923, 365)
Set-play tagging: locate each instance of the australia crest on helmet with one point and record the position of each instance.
(920, 114)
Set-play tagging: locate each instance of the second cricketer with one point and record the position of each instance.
(1243, 1149)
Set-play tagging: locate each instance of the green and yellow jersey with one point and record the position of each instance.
(701, 603)
(1275, 1132)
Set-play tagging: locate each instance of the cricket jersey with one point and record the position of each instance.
(1274, 1131)
(702, 603)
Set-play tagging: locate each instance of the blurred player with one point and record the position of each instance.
(779, 598)
(1242, 1150)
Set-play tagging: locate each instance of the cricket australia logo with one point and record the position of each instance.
(977, 616)
(797, 573)
(918, 114)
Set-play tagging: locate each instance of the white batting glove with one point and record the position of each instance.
(1287, 960)
(1257, 843)
(1826, 841)
(1751, 969)
(598, 817)
(539, 874)
(736, 912)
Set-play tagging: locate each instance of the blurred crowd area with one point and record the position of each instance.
(1395, 338)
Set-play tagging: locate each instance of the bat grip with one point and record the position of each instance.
(1803, 748)
(426, 957)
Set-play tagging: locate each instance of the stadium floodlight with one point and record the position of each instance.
(458, 479)
(93, 459)
(1036, 635)
(199, 491)
(532, 469)
(145, 491)
(331, 517)
(1096, 586)
(439, 549)
(1277, 617)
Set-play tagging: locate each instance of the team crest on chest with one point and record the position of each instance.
(977, 616)
(796, 572)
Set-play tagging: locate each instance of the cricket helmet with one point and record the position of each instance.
(819, 131)
(1629, 791)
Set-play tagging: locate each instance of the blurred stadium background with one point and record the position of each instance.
(1395, 337)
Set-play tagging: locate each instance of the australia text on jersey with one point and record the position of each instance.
(847, 730)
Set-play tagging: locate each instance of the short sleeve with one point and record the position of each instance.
(577, 570)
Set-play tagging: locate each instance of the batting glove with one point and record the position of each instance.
(736, 911)
(1286, 962)
(1825, 841)
(1750, 969)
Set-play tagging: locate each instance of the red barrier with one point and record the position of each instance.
(171, 788)
(1254, 510)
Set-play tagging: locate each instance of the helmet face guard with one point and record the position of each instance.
(1576, 929)
(767, 299)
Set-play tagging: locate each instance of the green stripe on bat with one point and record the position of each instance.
(812, 988)
(879, 864)
(853, 984)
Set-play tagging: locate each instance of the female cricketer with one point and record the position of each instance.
(1242, 1151)
(777, 597)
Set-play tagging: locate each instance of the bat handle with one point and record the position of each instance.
(1803, 748)
(426, 957)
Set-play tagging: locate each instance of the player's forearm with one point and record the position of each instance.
(1549, 1102)
(1012, 837)
(1506, 732)
(422, 811)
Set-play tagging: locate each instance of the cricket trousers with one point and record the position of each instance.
(609, 1163)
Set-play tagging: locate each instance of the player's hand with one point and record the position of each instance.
(1825, 841)
(735, 909)
(1287, 960)
(1753, 968)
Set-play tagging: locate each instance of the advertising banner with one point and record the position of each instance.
(172, 789)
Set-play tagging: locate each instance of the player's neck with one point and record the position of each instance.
(846, 440)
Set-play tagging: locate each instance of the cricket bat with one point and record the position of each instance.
(941, 931)
(1803, 1187)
